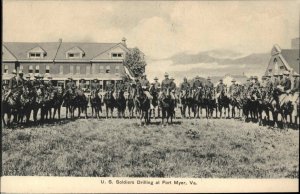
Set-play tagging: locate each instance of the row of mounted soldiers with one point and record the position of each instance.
(281, 81)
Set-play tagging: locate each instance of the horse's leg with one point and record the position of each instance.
(106, 108)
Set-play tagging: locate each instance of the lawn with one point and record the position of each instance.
(218, 148)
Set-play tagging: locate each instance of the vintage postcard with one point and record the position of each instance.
(149, 96)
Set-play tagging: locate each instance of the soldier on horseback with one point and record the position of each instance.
(209, 84)
(109, 87)
(71, 84)
(232, 88)
(13, 84)
(220, 88)
(82, 85)
(173, 87)
(120, 86)
(145, 84)
(165, 86)
(296, 83)
(156, 85)
(197, 83)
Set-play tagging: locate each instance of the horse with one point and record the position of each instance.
(68, 102)
(235, 101)
(264, 106)
(167, 106)
(130, 102)
(223, 102)
(142, 105)
(154, 94)
(26, 102)
(209, 101)
(57, 101)
(120, 103)
(198, 96)
(96, 103)
(187, 101)
(10, 106)
(80, 102)
(110, 103)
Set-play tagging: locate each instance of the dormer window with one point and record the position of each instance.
(36, 53)
(75, 53)
(117, 55)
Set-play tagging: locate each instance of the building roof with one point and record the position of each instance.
(56, 50)
(20, 49)
(7, 55)
(292, 57)
(91, 50)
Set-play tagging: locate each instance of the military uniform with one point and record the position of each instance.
(13, 83)
(95, 86)
(20, 81)
(156, 86)
(286, 84)
(82, 86)
(296, 86)
(109, 87)
(220, 87)
(70, 85)
(232, 89)
(121, 86)
(185, 86)
(210, 85)
(197, 84)
(165, 84)
(276, 82)
(269, 85)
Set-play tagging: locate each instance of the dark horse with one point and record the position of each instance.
(198, 96)
(187, 101)
(142, 105)
(57, 100)
(223, 102)
(26, 102)
(75, 99)
(167, 106)
(120, 103)
(209, 101)
(96, 103)
(110, 103)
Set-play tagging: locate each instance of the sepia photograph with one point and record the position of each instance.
(145, 93)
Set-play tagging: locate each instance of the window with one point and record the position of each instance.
(117, 55)
(37, 69)
(107, 69)
(101, 69)
(270, 70)
(282, 67)
(35, 55)
(30, 69)
(78, 69)
(117, 69)
(47, 69)
(21, 67)
(71, 69)
(61, 69)
(74, 55)
(6, 69)
(88, 69)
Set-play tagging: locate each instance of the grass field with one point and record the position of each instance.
(218, 148)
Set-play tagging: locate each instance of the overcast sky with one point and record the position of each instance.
(160, 29)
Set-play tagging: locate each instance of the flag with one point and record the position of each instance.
(128, 72)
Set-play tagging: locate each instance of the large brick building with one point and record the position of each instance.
(61, 60)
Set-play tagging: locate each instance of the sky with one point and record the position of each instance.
(161, 29)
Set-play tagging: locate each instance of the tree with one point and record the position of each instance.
(134, 61)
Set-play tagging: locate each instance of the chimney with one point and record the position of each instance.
(124, 41)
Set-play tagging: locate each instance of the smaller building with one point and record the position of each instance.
(283, 60)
